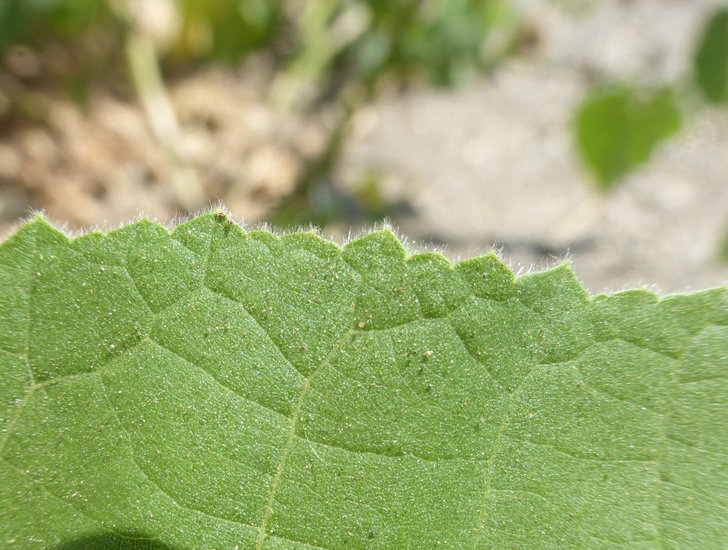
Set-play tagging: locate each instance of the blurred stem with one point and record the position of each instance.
(310, 200)
(147, 79)
(293, 86)
(319, 168)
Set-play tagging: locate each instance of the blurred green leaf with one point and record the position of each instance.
(711, 58)
(38, 21)
(226, 30)
(617, 130)
(442, 39)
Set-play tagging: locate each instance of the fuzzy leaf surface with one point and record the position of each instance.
(212, 388)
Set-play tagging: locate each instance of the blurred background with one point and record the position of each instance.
(590, 129)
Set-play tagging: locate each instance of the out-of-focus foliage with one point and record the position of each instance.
(336, 40)
(194, 29)
(59, 46)
(222, 29)
(445, 38)
(618, 129)
(711, 58)
(37, 21)
(328, 54)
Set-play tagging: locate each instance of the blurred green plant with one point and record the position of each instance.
(711, 71)
(223, 29)
(331, 44)
(617, 129)
(322, 53)
(711, 58)
(38, 21)
(356, 45)
(195, 29)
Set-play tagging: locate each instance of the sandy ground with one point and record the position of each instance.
(489, 164)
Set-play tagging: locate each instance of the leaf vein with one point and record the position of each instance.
(291, 437)
(70, 504)
(260, 326)
(219, 382)
(146, 475)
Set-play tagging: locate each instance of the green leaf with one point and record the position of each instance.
(711, 58)
(211, 388)
(617, 130)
